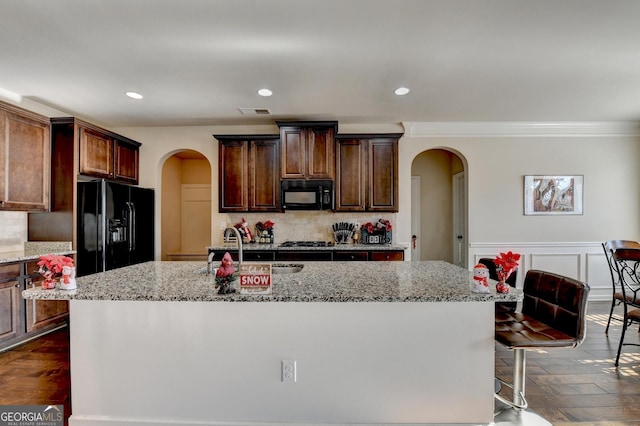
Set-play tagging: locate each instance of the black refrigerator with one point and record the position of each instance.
(115, 226)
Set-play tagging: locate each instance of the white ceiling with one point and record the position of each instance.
(198, 61)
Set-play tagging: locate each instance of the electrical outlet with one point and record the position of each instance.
(288, 371)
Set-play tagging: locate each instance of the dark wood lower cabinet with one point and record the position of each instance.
(311, 255)
(22, 319)
(10, 302)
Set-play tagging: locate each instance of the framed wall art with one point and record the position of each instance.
(553, 195)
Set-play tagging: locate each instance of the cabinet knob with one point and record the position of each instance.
(1, 202)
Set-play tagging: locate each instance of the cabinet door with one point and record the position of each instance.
(126, 162)
(320, 153)
(383, 175)
(96, 154)
(305, 255)
(264, 189)
(10, 302)
(293, 151)
(233, 176)
(350, 176)
(25, 163)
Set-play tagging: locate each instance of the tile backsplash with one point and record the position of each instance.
(13, 231)
(306, 225)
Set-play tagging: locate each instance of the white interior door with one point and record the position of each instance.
(415, 217)
(459, 220)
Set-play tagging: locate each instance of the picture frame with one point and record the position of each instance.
(553, 194)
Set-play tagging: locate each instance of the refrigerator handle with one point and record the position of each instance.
(132, 226)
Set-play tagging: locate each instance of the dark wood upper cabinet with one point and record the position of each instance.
(351, 161)
(264, 175)
(25, 160)
(104, 155)
(96, 154)
(249, 173)
(383, 174)
(233, 176)
(367, 173)
(307, 149)
(126, 161)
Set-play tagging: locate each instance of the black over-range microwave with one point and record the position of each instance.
(307, 194)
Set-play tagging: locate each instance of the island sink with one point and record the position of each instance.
(286, 268)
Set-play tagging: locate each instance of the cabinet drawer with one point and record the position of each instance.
(350, 255)
(387, 255)
(304, 255)
(9, 272)
(259, 255)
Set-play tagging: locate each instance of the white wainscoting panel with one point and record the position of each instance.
(584, 261)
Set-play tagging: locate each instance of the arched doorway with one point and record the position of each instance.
(185, 206)
(438, 200)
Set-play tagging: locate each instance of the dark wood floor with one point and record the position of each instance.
(37, 372)
(566, 386)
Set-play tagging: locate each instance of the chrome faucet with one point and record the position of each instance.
(210, 262)
(238, 239)
(240, 256)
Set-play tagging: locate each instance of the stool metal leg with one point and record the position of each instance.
(520, 361)
(515, 413)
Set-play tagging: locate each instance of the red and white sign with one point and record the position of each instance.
(255, 278)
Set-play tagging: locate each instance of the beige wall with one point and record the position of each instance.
(496, 166)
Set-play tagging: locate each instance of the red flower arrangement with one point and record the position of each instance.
(506, 263)
(379, 225)
(50, 267)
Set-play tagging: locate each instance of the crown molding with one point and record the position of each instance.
(497, 129)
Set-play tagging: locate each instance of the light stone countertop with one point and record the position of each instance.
(34, 249)
(425, 281)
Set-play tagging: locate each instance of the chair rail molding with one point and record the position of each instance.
(584, 261)
(524, 129)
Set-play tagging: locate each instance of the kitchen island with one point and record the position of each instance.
(373, 342)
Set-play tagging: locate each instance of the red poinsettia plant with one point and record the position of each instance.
(268, 224)
(506, 263)
(51, 265)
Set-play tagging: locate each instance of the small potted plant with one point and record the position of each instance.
(51, 267)
(506, 263)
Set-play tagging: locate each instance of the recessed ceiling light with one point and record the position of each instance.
(400, 91)
(265, 92)
(134, 95)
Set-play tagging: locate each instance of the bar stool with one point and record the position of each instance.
(553, 315)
